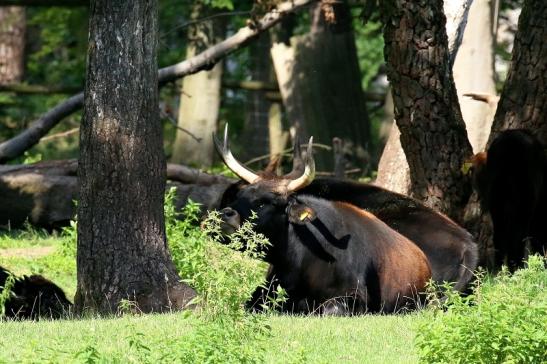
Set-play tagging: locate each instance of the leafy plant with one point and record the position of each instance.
(503, 321)
(225, 274)
(6, 293)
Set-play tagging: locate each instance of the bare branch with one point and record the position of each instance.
(16, 146)
(60, 135)
(21, 88)
(208, 58)
(169, 118)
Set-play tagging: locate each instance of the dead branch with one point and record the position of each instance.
(491, 100)
(60, 135)
(208, 58)
(286, 152)
(21, 88)
(169, 118)
(17, 145)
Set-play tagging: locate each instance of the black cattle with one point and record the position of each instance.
(33, 297)
(450, 249)
(511, 179)
(329, 256)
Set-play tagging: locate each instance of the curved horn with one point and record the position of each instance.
(226, 155)
(309, 172)
(297, 161)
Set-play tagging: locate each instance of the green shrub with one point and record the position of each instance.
(503, 321)
(225, 276)
(6, 293)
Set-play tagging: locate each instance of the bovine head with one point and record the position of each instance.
(268, 195)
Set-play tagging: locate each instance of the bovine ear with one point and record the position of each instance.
(300, 214)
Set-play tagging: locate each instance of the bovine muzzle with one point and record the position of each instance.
(230, 220)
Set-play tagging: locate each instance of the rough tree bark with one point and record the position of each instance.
(17, 145)
(122, 252)
(474, 71)
(523, 102)
(427, 112)
(200, 94)
(319, 80)
(12, 44)
(393, 170)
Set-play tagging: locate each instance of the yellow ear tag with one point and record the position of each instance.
(466, 167)
(304, 215)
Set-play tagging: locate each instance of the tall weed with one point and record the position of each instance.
(503, 321)
(225, 275)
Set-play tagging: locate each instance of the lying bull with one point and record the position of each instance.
(450, 249)
(330, 256)
(33, 297)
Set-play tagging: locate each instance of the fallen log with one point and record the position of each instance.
(45, 193)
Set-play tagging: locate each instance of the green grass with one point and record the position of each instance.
(510, 309)
(28, 238)
(56, 266)
(365, 339)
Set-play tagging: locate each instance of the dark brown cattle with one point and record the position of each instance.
(330, 256)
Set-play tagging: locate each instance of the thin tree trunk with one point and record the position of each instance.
(474, 71)
(12, 44)
(122, 252)
(319, 80)
(200, 95)
(427, 112)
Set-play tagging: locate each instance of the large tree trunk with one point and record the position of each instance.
(427, 112)
(122, 251)
(523, 102)
(12, 44)
(320, 83)
(393, 170)
(474, 71)
(200, 95)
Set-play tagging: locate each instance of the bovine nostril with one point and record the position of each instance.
(228, 212)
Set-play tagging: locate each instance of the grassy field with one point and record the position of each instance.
(365, 339)
(504, 321)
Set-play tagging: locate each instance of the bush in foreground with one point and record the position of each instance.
(503, 321)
